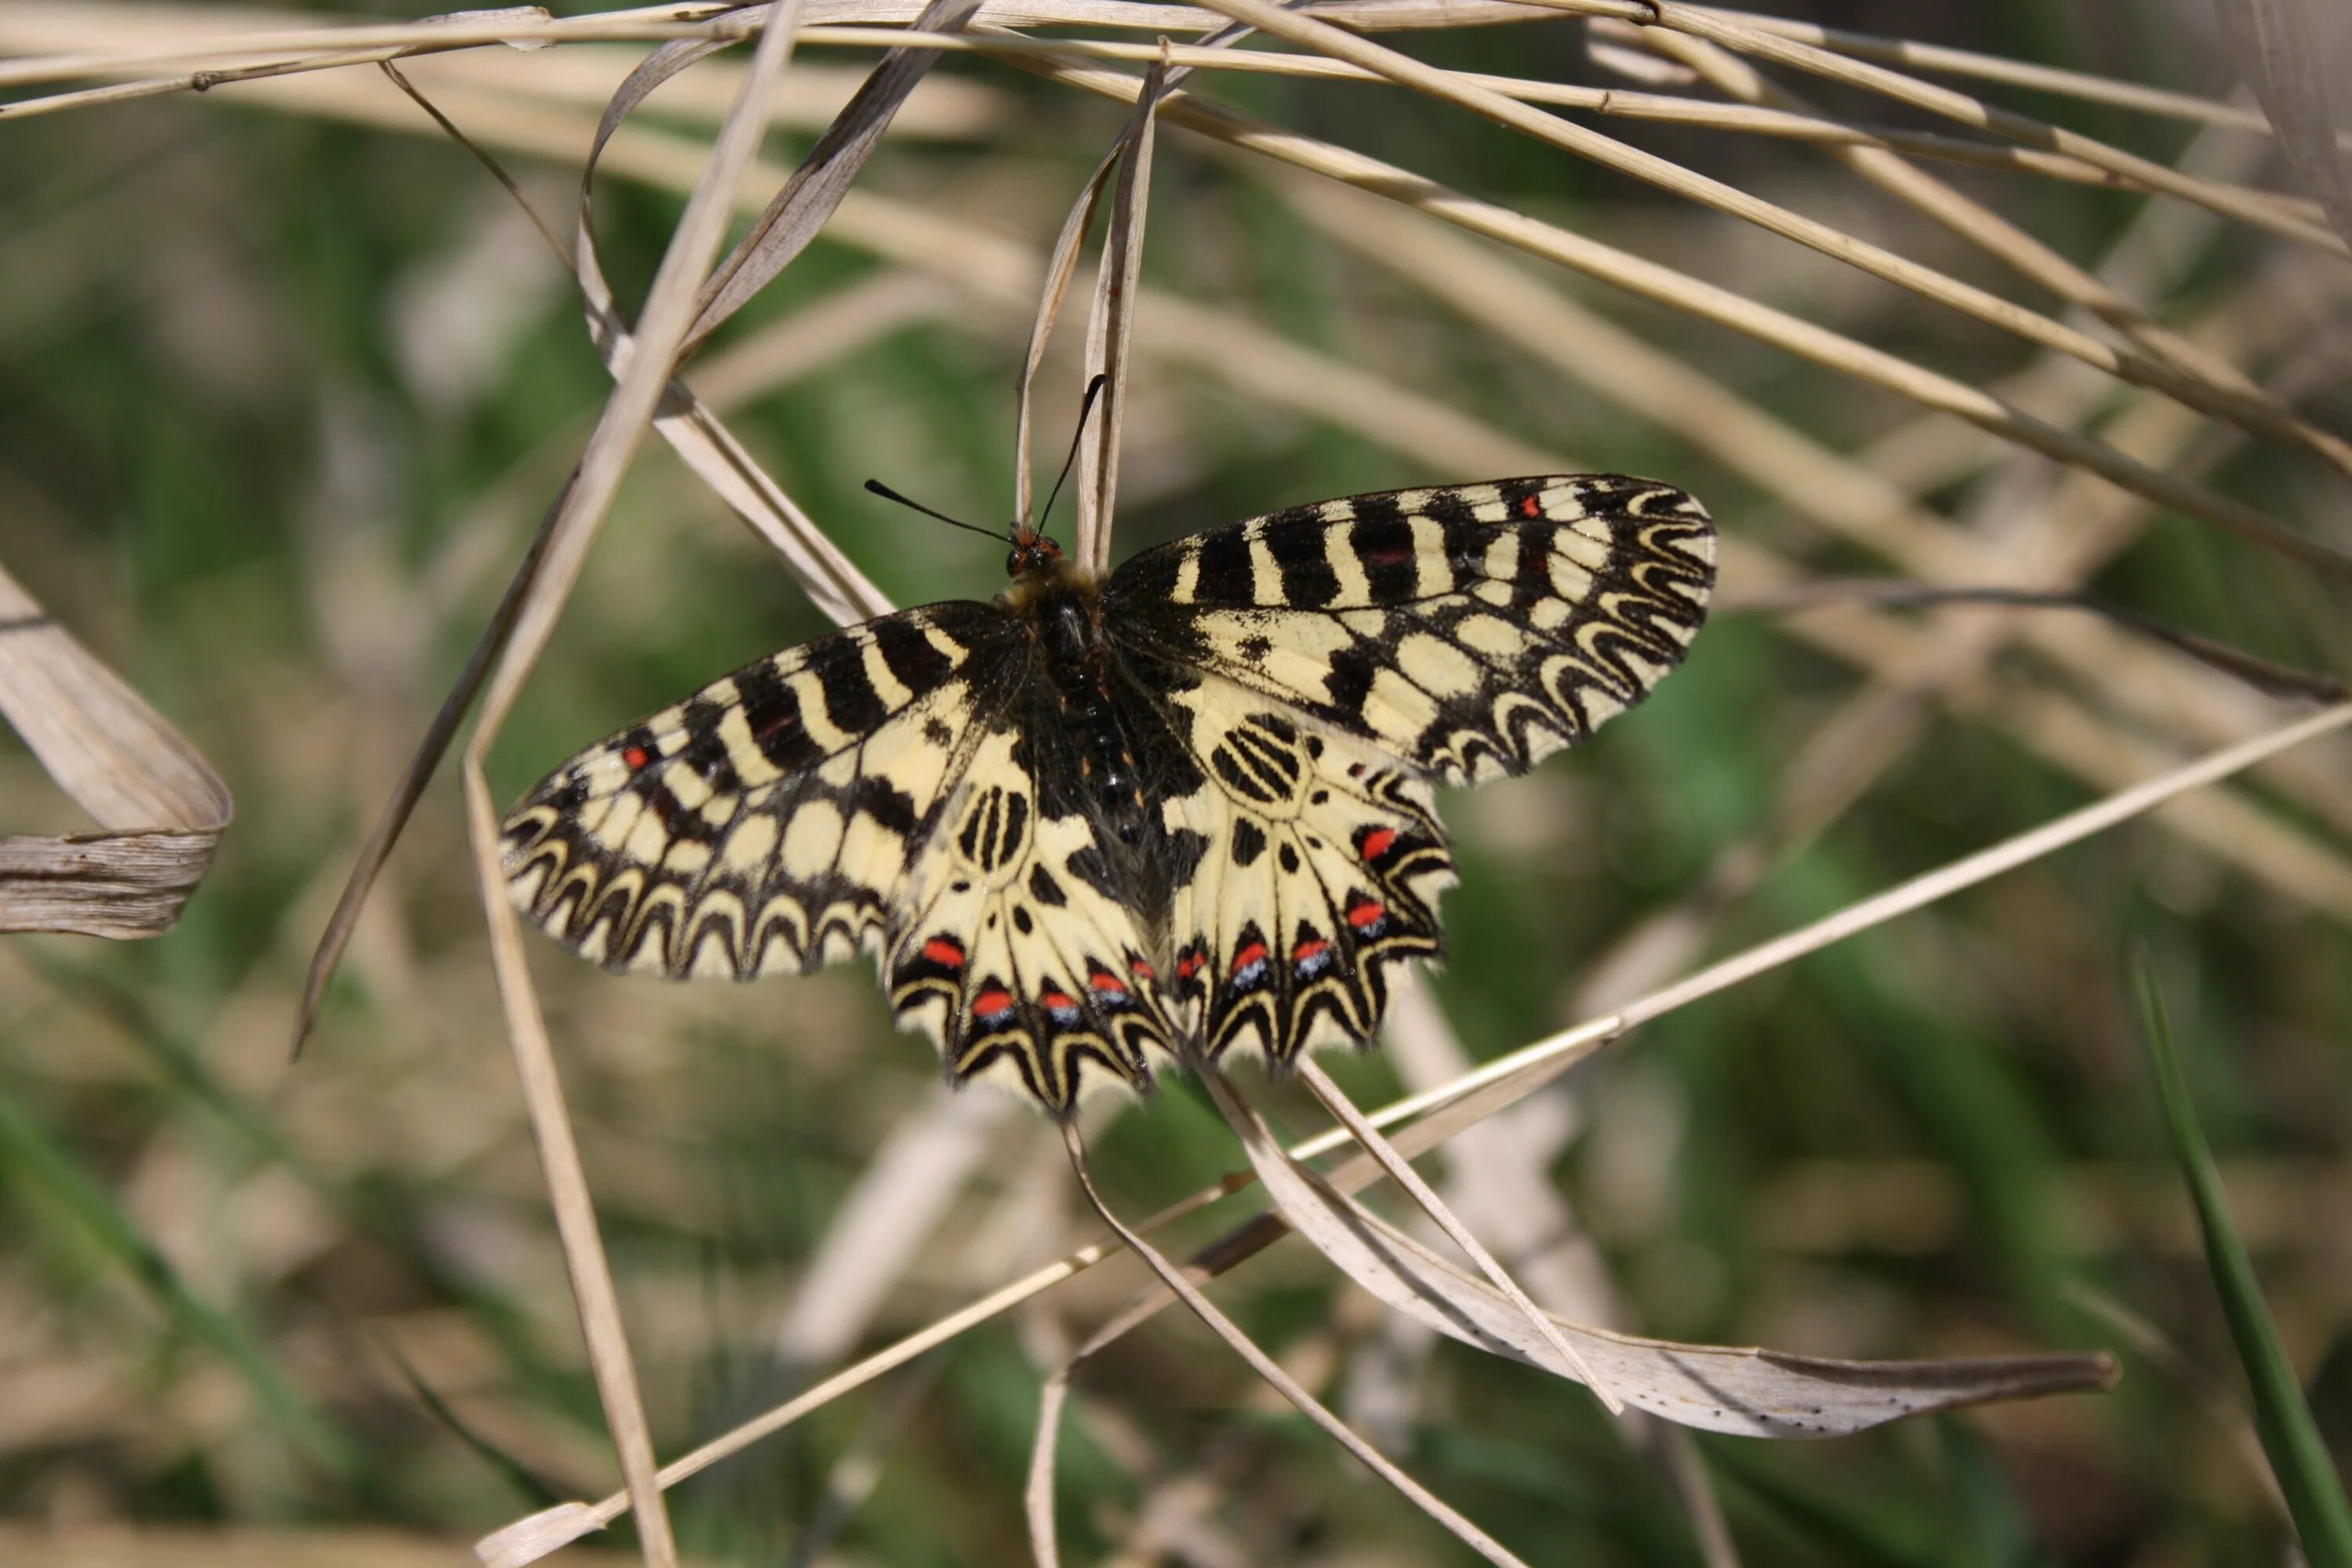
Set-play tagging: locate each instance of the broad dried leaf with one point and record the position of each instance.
(2286, 59)
(160, 803)
(1111, 322)
(816, 187)
(1060, 267)
(1747, 1391)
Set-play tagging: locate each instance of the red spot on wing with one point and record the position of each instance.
(944, 950)
(1190, 964)
(1367, 913)
(1388, 554)
(636, 757)
(992, 1003)
(1530, 507)
(1308, 949)
(1104, 983)
(1138, 967)
(1253, 953)
(1376, 843)
(1058, 1001)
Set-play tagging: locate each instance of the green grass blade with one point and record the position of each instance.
(2314, 1496)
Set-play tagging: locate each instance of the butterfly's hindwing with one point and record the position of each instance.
(1323, 865)
(1331, 662)
(1009, 957)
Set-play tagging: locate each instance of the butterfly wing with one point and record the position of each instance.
(1331, 663)
(865, 790)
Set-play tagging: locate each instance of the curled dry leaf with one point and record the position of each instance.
(1747, 1391)
(796, 212)
(160, 804)
(2285, 59)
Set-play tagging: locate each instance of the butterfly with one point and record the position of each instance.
(1097, 825)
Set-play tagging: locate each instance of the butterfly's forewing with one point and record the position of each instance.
(1333, 661)
(865, 790)
(762, 825)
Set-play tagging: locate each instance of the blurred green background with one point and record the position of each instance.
(282, 393)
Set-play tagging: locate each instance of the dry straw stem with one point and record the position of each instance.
(1265, 1366)
(1718, 27)
(669, 311)
(2002, 69)
(158, 802)
(1970, 220)
(2247, 407)
(1665, 285)
(1439, 1113)
(244, 55)
(565, 78)
(825, 573)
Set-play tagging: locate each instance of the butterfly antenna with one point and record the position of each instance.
(886, 493)
(1094, 388)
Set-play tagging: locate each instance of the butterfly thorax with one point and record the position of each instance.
(1061, 608)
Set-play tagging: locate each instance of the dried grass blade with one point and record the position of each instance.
(1679, 291)
(1038, 1495)
(1747, 1391)
(1399, 1170)
(2032, 74)
(1061, 266)
(823, 571)
(2252, 410)
(628, 414)
(1968, 219)
(160, 802)
(1968, 110)
(831, 579)
(1111, 322)
(797, 211)
(2280, 53)
(1287, 1387)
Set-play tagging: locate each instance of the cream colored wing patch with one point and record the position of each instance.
(1323, 863)
(1467, 631)
(766, 823)
(1016, 965)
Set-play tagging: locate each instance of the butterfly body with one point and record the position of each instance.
(1093, 827)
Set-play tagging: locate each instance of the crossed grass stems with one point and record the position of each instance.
(2167, 430)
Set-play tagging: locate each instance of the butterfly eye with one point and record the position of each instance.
(1013, 562)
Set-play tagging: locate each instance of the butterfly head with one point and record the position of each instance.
(1033, 554)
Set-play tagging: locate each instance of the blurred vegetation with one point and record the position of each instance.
(280, 400)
